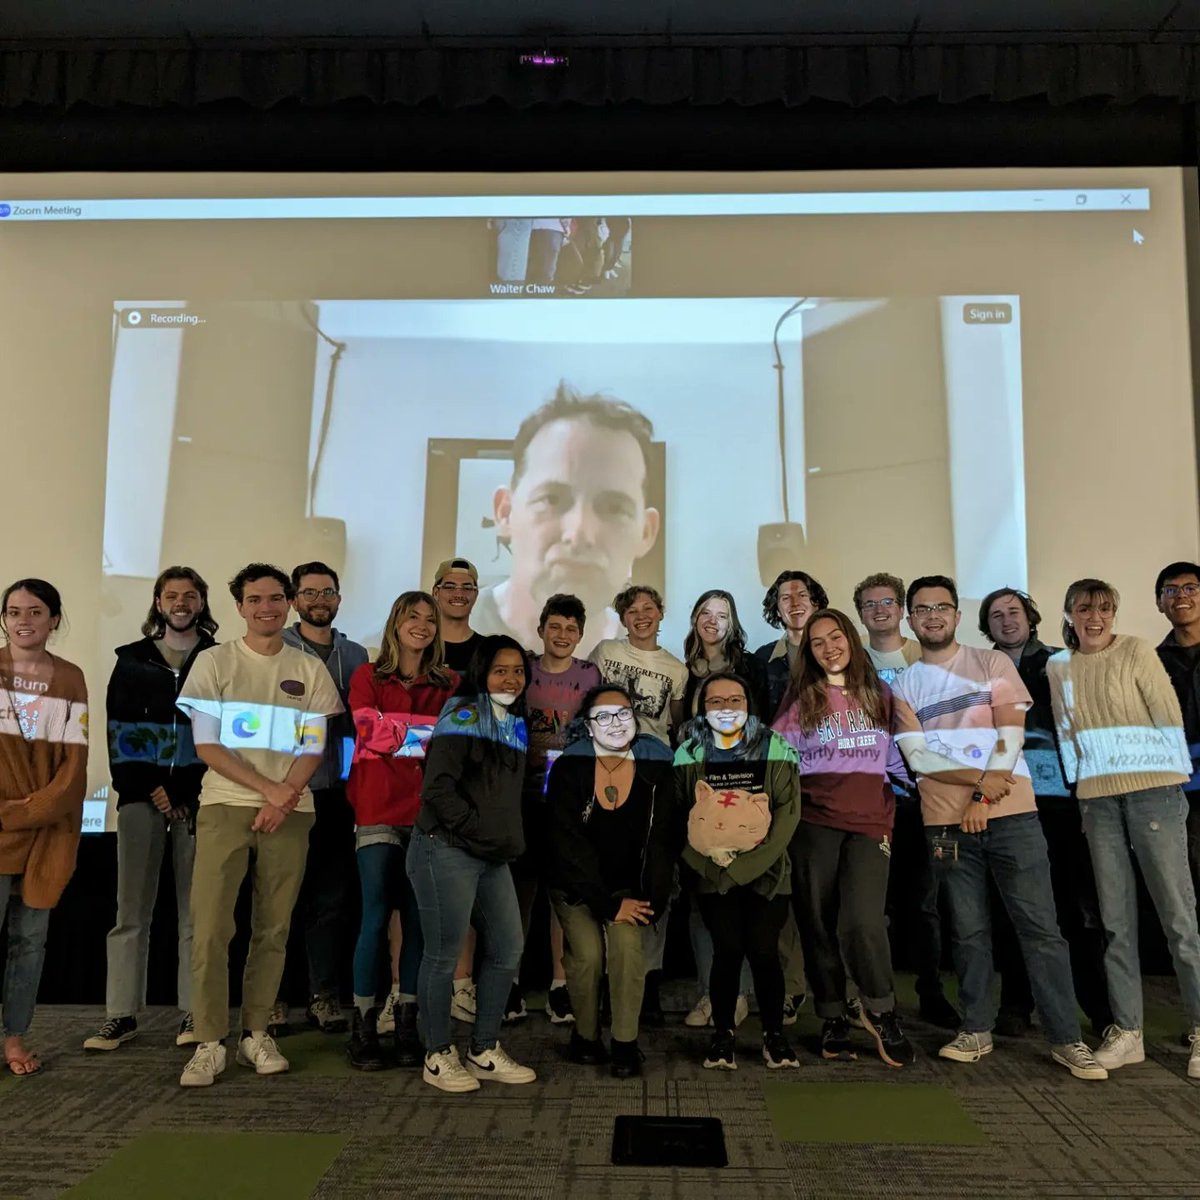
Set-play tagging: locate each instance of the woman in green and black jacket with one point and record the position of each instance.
(743, 897)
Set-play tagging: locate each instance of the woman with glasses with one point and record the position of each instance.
(613, 847)
(395, 703)
(738, 783)
(1122, 742)
(838, 716)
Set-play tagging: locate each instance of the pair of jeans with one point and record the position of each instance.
(1151, 826)
(327, 893)
(592, 948)
(142, 836)
(26, 953)
(745, 926)
(1078, 910)
(455, 890)
(1012, 850)
(839, 891)
(915, 928)
(386, 888)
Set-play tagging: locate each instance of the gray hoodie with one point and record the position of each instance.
(344, 660)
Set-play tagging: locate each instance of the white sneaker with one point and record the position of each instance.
(204, 1066)
(1120, 1048)
(1078, 1058)
(260, 1052)
(741, 1010)
(462, 1003)
(967, 1047)
(701, 1014)
(1194, 1060)
(495, 1064)
(444, 1070)
(386, 1022)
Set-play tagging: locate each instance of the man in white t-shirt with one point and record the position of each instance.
(879, 600)
(258, 710)
(655, 677)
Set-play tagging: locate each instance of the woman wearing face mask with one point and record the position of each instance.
(1122, 743)
(43, 778)
(395, 702)
(467, 832)
(838, 716)
(613, 847)
(716, 642)
(744, 895)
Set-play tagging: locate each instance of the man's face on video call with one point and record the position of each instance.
(577, 518)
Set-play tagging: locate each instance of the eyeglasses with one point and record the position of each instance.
(313, 593)
(1183, 589)
(467, 589)
(717, 703)
(886, 602)
(928, 610)
(605, 719)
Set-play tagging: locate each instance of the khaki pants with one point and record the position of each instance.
(224, 842)
(587, 943)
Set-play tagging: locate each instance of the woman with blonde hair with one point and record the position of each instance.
(716, 642)
(1123, 746)
(838, 717)
(395, 703)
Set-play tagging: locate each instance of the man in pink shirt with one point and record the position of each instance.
(960, 715)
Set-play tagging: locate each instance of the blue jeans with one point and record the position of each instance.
(1153, 824)
(385, 889)
(452, 888)
(26, 953)
(1013, 850)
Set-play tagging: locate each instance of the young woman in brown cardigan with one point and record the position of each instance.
(43, 777)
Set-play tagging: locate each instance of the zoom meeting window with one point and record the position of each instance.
(983, 374)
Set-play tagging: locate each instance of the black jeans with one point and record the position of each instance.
(915, 926)
(745, 925)
(1078, 911)
(329, 896)
(839, 889)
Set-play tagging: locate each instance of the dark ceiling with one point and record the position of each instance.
(769, 20)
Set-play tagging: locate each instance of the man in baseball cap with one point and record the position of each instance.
(456, 588)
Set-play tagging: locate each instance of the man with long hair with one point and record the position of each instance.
(156, 774)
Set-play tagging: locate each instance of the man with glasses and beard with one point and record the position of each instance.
(331, 873)
(960, 718)
(156, 774)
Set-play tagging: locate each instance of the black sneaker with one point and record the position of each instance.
(894, 1048)
(835, 1039)
(652, 1013)
(116, 1031)
(409, 1051)
(777, 1052)
(326, 1014)
(587, 1054)
(187, 1032)
(626, 1060)
(937, 1010)
(792, 1006)
(720, 1054)
(558, 1007)
(514, 1009)
(1011, 1022)
(363, 1050)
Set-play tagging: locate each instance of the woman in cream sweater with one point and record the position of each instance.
(1122, 742)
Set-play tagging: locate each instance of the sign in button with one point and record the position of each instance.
(982, 313)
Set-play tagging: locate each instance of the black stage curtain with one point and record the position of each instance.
(317, 73)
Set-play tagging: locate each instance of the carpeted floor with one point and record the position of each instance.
(103, 1127)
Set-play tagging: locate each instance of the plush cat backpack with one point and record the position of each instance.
(724, 823)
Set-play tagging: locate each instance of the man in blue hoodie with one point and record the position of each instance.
(331, 873)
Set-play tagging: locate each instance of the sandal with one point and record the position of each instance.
(22, 1068)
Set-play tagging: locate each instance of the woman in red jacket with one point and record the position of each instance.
(395, 702)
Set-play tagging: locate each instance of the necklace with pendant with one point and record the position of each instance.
(610, 789)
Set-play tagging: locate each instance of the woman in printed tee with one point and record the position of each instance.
(395, 703)
(737, 782)
(43, 777)
(1121, 737)
(838, 716)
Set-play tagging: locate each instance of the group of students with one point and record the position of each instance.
(456, 775)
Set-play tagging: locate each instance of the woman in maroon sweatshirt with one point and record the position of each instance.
(395, 703)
